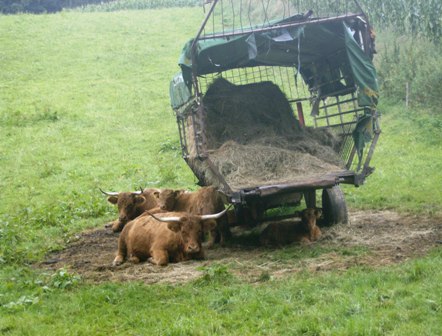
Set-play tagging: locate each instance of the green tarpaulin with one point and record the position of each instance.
(326, 55)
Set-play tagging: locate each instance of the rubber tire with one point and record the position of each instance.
(334, 208)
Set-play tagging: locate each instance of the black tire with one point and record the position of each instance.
(334, 208)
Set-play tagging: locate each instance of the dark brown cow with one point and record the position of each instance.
(164, 237)
(204, 201)
(131, 205)
(282, 233)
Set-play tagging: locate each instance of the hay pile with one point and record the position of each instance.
(243, 113)
(254, 138)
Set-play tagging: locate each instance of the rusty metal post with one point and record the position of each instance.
(300, 114)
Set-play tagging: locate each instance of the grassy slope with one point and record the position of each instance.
(84, 104)
(403, 300)
(81, 87)
(408, 166)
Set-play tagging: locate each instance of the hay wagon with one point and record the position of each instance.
(276, 102)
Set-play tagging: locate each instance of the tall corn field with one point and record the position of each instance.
(415, 17)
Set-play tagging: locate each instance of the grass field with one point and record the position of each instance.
(84, 104)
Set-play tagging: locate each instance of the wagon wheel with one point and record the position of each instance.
(334, 207)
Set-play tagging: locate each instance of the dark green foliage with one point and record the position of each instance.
(62, 279)
(52, 6)
(31, 6)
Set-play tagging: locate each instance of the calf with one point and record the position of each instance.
(204, 201)
(282, 233)
(309, 217)
(131, 205)
(164, 237)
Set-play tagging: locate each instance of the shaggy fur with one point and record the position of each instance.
(146, 238)
(204, 201)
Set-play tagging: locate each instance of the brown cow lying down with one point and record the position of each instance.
(132, 204)
(164, 237)
(282, 233)
(204, 201)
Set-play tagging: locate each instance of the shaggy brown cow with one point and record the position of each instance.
(131, 205)
(282, 233)
(204, 201)
(164, 237)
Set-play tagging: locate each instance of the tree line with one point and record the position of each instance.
(42, 6)
(52, 6)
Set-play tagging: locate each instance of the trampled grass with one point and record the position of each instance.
(84, 104)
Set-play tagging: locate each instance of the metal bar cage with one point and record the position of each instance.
(339, 111)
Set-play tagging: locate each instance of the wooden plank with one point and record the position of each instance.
(324, 181)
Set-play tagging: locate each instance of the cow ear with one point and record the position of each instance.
(178, 192)
(156, 194)
(318, 213)
(139, 199)
(209, 224)
(113, 199)
(174, 226)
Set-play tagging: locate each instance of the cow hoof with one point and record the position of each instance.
(117, 261)
(108, 225)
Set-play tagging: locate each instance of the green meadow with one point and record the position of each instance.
(84, 104)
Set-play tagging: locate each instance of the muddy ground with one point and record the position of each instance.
(372, 238)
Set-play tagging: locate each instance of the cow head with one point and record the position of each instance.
(309, 216)
(130, 206)
(191, 228)
(166, 198)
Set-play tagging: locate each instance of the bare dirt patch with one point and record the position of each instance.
(372, 238)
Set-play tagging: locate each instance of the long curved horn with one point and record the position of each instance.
(217, 215)
(178, 219)
(165, 219)
(112, 193)
(139, 192)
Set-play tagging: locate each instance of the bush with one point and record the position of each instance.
(32, 6)
(411, 69)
